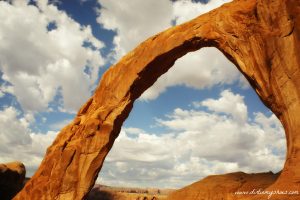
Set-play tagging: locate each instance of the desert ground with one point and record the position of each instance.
(102, 192)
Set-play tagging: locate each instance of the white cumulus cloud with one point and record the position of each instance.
(197, 144)
(185, 10)
(200, 70)
(19, 142)
(134, 21)
(229, 103)
(44, 51)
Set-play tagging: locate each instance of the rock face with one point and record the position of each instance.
(12, 176)
(261, 37)
(229, 186)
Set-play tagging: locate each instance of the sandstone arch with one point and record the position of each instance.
(261, 37)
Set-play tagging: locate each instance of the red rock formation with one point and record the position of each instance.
(12, 177)
(228, 186)
(261, 37)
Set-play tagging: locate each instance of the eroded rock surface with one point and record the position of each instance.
(12, 176)
(261, 37)
(228, 186)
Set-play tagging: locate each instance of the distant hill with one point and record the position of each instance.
(103, 192)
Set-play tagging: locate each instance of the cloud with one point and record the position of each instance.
(185, 10)
(197, 144)
(200, 70)
(19, 142)
(229, 103)
(133, 21)
(44, 51)
(13, 131)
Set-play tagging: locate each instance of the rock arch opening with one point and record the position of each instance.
(260, 37)
(198, 119)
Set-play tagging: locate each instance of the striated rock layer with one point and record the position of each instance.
(12, 177)
(261, 37)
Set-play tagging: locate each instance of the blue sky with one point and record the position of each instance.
(199, 118)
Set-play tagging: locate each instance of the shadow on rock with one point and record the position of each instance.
(12, 176)
(96, 194)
